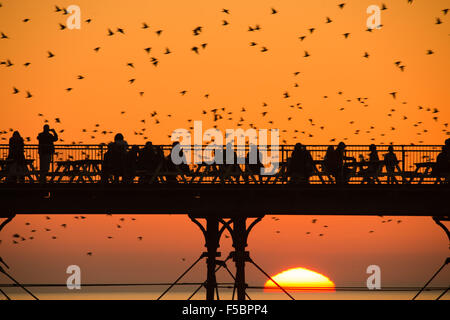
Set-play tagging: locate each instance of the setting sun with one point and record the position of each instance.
(300, 279)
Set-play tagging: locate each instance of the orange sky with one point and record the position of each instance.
(235, 75)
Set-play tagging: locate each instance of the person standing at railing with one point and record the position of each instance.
(441, 168)
(16, 158)
(131, 162)
(253, 163)
(391, 162)
(330, 161)
(107, 164)
(147, 162)
(373, 168)
(343, 170)
(119, 149)
(300, 165)
(46, 139)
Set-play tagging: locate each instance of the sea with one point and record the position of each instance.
(152, 293)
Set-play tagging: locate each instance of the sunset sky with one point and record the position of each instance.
(341, 91)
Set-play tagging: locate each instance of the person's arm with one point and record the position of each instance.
(55, 135)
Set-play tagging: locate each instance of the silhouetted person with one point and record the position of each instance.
(131, 161)
(373, 167)
(343, 172)
(441, 168)
(147, 162)
(119, 154)
(161, 161)
(46, 139)
(120, 145)
(330, 161)
(230, 167)
(16, 157)
(253, 162)
(180, 164)
(300, 165)
(391, 162)
(107, 164)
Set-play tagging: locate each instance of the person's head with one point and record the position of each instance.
(118, 137)
(16, 135)
(341, 146)
(391, 149)
(372, 148)
(447, 142)
(298, 146)
(148, 145)
(46, 128)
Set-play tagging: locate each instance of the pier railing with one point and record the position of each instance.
(83, 163)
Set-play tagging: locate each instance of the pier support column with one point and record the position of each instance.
(211, 244)
(239, 234)
(240, 256)
(212, 235)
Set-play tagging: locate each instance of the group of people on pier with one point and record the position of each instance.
(124, 163)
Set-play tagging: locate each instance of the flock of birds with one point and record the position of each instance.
(322, 233)
(33, 232)
(220, 114)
